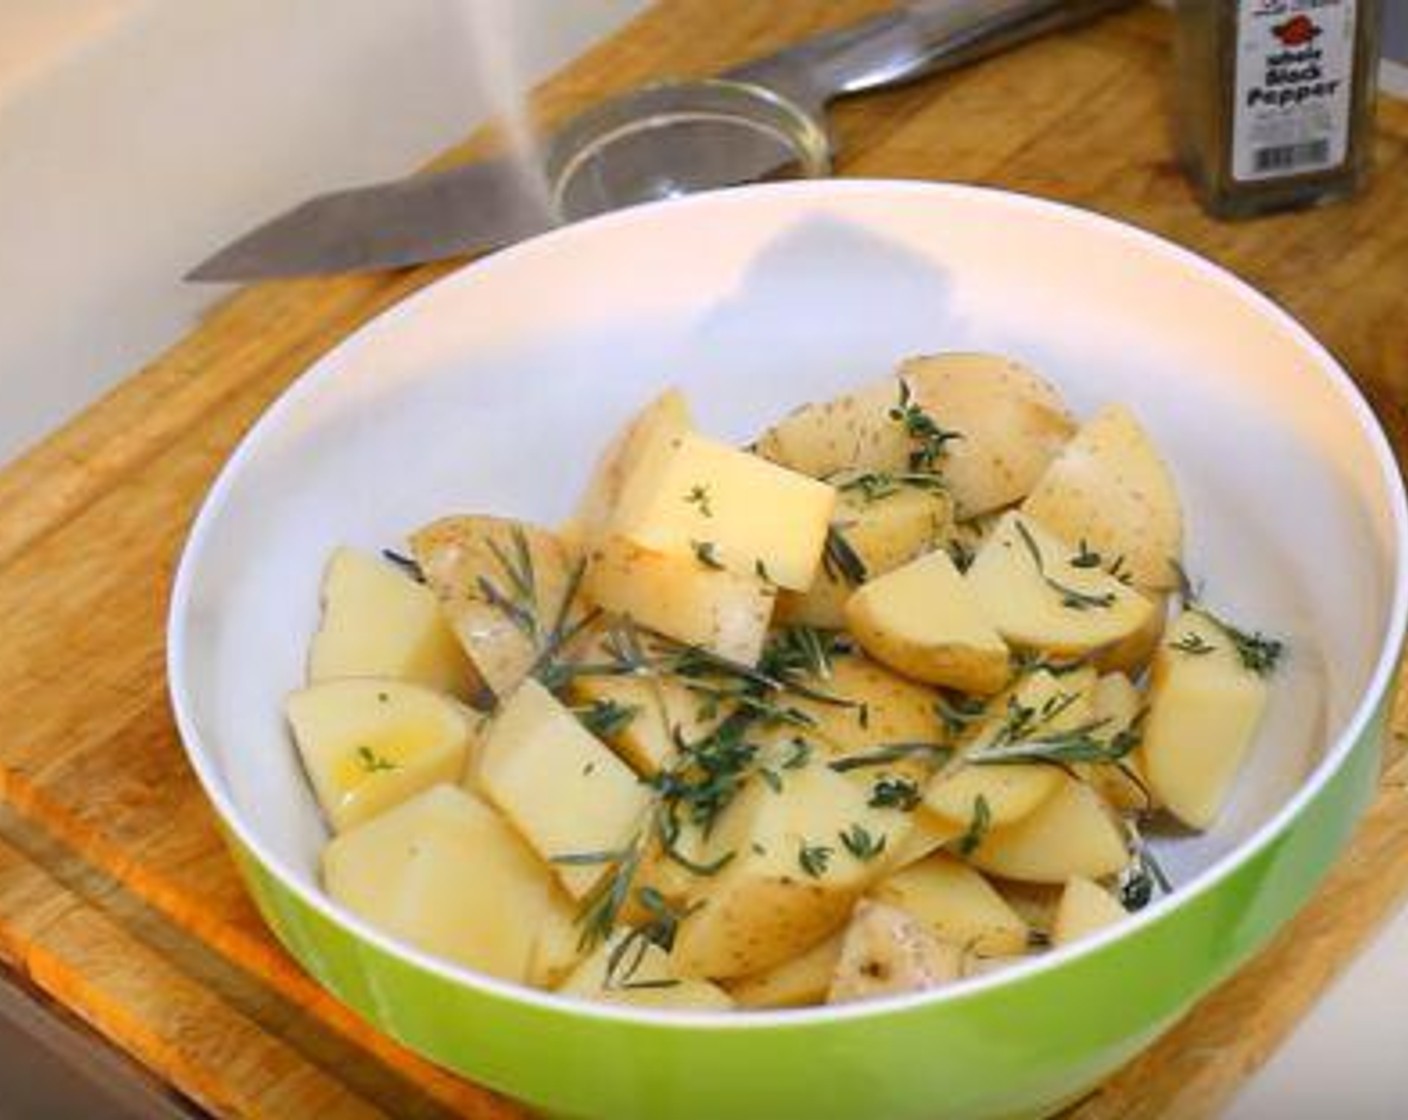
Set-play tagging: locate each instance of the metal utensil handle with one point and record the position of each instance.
(910, 41)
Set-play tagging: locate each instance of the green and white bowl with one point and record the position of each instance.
(494, 389)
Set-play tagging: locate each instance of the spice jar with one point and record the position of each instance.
(1276, 100)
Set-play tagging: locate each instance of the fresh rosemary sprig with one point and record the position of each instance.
(932, 440)
(606, 718)
(934, 753)
(1065, 748)
(840, 561)
(1071, 597)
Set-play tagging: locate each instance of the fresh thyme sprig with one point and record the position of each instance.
(932, 440)
(1064, 748)
(1071, 597)
(875, 486)
(1258, 653)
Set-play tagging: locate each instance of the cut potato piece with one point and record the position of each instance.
(636, 454)
(886, 951)
(1132, 654)
(1204, 707)
(1012, 425)
(923, 620)
(957, 905)
(792, 879)
(1040, 704)
(717, 610)
(558, 949)
(885, 526)
(1036, 903)
(651, 983)
(803, 980)
(1110, 488)
(491, 574)
(851, 432)
(1116, 704)
(559, 785)
(446, 874)
(1085, 909)
(652, 711)
(714, 504)
(369, 744)
(927, 834)
(1034, 590)
(1071, 833)
(378, 622)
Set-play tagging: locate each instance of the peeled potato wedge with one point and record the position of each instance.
(803, 980)
(445, 873)
(883, 532)
(369, 744)
(475, 566)
(927, 834)
(887, 951)
(1031, 586)
(1110, 487)
(1204, 708)
(1085, 908)
(378, 622)
(1071, 833)
(1012, 425)
(957, 905)
(1132, 654)
(1116, 703)
(559, 786)
(924, 621)
(721, 611)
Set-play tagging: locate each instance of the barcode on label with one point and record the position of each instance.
(1291, 157)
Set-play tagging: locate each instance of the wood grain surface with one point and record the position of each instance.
(116, 896)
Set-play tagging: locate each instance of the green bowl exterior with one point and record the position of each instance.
(1023, 1047)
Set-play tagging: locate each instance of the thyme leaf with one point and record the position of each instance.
(862, 843)
(814, 858)
(932, 441)
(1071, 597)
(373, 763)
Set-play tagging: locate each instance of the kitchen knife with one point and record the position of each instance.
(491, 203)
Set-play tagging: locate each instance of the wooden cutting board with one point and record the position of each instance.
(116, 897)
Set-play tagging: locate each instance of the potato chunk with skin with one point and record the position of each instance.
(445, 873)
(1071, 833)
(559, 785)
(636, 453)
(1012, 425)
(713, 503)
(923, 620)
(1204, 708)
(803, 980)
(884, 531)
(495, 579)
(886, 952)
(715, 609)
(1110, 487)
(1037, 595)
(851, 432)
(651, 982)
(1085, 908)
(378, 622)
(368, 744)
(957, 904)
(792, 879)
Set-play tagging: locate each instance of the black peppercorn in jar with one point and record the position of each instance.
(1276, 100)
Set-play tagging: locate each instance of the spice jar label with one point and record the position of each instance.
(1294, 87)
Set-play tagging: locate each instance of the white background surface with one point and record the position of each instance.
(137, 134)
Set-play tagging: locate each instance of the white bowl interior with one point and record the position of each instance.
(494, 390)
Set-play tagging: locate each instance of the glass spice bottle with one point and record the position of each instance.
(1276, 100)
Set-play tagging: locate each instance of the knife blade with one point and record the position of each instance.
(492, 203)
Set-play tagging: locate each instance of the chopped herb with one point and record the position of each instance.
(586, 859)
(772, 778)
(920, 427)
(1084, 557)
(405, 563)
(762, 572)
(1193, 644)
(935, 753)
(978, 826)
(799, 649)
(875, 486)
(705, 554)
(699, 496)
(961, 554)
(1071, 597)
(813, 859)
(660, 930)
(958, 713)
(840, 561)
(602, 906)
(373, 763)
(667, 830)
(606, 718)
(798, 756)
(861, 843)
(895, 793)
